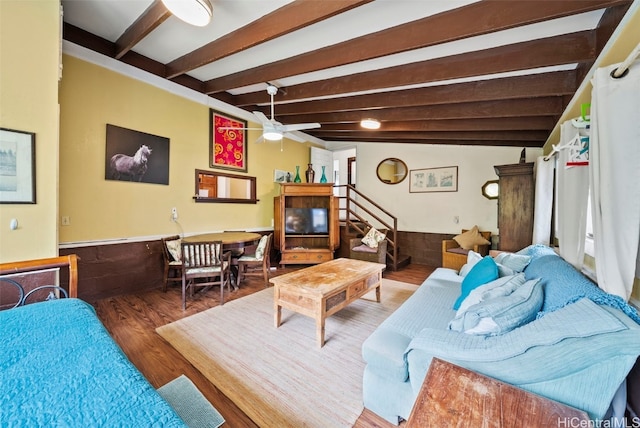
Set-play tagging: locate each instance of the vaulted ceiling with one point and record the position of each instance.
(433, 72)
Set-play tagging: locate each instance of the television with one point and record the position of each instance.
(306, 221)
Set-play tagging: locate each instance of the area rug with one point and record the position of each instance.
(280, 377)
(189, 403)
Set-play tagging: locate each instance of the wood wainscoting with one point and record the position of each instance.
(424, 248)
(107, 270)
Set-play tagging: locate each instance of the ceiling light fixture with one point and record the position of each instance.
(272, 135)
(370, 123)
(194, 12)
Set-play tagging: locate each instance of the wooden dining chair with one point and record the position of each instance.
(204, 261)
(257, 263)
(172, 257)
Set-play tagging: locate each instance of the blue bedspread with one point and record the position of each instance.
(60, 367)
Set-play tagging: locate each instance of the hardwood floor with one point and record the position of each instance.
(132, 319)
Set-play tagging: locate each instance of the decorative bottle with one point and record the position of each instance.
(310, 174)
(297, 179)
(323, 179)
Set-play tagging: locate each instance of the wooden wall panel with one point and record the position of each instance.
(115, 269)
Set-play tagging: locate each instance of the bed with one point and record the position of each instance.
(58, 364)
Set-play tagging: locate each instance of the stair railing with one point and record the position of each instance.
(356, 205)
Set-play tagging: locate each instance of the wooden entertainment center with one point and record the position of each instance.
(306, 228)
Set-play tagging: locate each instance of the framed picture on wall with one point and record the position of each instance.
(17, 167)
(136, 156)
(434, 180)
(227, 142)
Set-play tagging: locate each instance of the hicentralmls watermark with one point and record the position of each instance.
(599, 423)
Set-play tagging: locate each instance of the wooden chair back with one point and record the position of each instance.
(251, 265)
(172, 265)
(207, 261)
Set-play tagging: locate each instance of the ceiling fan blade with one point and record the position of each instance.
(294, 136)
(299, 126)
(260, 140)
(261, 117)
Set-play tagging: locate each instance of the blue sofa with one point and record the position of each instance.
(577, 348)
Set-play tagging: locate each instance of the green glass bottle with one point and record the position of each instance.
(323, 179)
(297, 179)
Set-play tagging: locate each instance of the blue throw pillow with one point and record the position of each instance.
(482, 272)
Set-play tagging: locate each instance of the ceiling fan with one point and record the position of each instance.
(272, 130)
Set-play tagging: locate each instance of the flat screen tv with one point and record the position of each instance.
(306, 221)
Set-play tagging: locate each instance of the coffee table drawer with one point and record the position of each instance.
(360, 287)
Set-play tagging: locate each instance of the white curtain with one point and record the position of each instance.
(615, 177)
(573, 192)
(543, 201)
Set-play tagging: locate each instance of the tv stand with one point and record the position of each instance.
(305, 248)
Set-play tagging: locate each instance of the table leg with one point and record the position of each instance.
(320, 331)
(277, 314)
(378, 293)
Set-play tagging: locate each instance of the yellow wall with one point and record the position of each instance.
(29, 48)
(99, 209)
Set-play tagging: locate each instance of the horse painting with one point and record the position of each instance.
(133, 167)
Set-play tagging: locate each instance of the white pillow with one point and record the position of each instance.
(373, 238)
(515, 262)
(472, 259)
(501, 314)
(502, 286)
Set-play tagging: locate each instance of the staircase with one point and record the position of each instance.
(361, 213)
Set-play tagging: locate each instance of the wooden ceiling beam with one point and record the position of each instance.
(440, 135)
(560, 50)
(490, 124)
(150, 19)
(531, 86)
(530, 107)
(472, 20)
(453, 142)
(280, 22)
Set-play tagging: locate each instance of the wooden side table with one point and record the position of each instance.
(456, 397)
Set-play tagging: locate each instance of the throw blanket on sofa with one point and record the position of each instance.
(556, 273)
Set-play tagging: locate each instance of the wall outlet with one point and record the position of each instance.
(456, 219)
(66, 220)
(174, 214)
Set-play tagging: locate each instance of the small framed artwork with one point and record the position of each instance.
(227, 142)
(136, 156)
(17, 167)
(434, 180)
(280, 176)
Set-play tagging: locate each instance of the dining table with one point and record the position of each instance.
(230, 240)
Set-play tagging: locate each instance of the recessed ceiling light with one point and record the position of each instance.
(370, 123)
(194, 12)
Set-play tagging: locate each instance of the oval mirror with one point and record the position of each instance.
(490, 189)
(392, 171)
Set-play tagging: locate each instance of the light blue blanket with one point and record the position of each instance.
(60, 367)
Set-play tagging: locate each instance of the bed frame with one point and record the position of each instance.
(32, 267)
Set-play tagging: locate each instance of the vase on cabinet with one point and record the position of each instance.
(297, 179)
(323, 178)
(310, 174)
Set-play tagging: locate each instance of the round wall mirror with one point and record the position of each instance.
(490, 189)
(392, 171)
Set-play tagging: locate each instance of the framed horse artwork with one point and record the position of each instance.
(136, 156)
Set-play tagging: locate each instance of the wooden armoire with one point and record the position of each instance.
(309, 245)
(516, 195)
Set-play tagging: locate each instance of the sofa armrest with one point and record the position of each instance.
(483, 250)
(354, 242)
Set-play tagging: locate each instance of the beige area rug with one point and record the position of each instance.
(280, 377)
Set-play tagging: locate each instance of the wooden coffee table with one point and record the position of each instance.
(322, 290)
